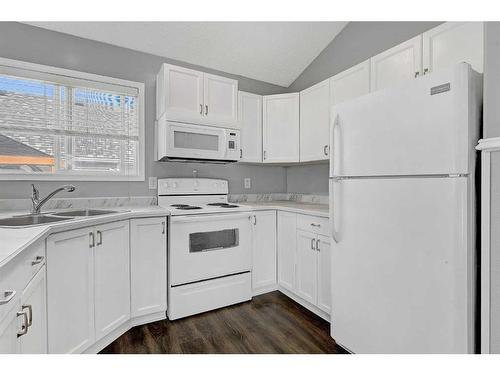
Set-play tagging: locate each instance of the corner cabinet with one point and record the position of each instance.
(250, 123)
(280, 127)
(315, 122)
(148, 265)
(263, 252)
(187, 95)
(287, 248)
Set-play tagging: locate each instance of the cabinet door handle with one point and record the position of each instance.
(241, 153)
(417, 74)
(312, 243)
(317, 245)
(163, 227)
(99, 238)
(91, 240)
(39, 259)
(6, 296)
(265, 155)
(206, 109)
(24, 329)
(30, 313)
(315, 225)
(201, 109)
(426, 70)
(325, 150)
(254, 220)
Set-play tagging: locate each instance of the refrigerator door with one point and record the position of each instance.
(401, 267)
(426, 126)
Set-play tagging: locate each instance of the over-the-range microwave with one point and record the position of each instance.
(196, 143)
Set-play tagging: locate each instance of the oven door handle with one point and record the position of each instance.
(209, 217)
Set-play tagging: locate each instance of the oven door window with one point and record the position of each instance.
(208, 241)
(196, 141)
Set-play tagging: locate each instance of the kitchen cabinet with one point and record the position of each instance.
(287, 246)
(187, 95)
(280, 126)
(111, 277)
(315, 122)
(451, 43)
(33, 302)
(250, 123)
(306, 266)
(148, 265)
(350, 83)
(324, 273)
(401, 62)
(263, 251)
(9, 328)
(70, 290)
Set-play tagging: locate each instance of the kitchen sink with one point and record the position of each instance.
(85, 212)
(30, 220)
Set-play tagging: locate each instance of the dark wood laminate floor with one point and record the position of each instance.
(270, 323)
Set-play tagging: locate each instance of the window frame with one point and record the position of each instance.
(100, 82)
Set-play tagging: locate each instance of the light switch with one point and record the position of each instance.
(247, 183)
(153, 183)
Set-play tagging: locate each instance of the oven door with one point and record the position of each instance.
(188, 141)
(208, 246)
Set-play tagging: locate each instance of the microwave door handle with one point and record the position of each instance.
(224, 142)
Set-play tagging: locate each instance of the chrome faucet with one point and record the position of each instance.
(37, 203)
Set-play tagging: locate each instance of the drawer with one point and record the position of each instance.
(314, 224)
(16, 274)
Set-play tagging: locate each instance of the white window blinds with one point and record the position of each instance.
(53, 124)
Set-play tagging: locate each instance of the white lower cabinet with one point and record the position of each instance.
(287, 245)
(33, 303)
(324, 272)
(9, 327)
(263, 251)
(111, 277)
(306, 266)
(70, 287)
(148, 265)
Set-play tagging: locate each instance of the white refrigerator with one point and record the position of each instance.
(403, 216)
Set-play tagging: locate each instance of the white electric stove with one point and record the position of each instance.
(209, 254)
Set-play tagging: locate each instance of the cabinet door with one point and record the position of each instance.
(33, 303)
(148, 265)
(220, 101)
(180, 94)
(250, 122)
(9, 327)
(350, 83)
(280, 125)
(396, 64)
(112, 277)
(315, 122)
(324, 272)
(287, 247)
(452, 43)
(307, 266)
(264, 252)
(70, 291)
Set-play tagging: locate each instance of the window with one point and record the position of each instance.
(61, 124)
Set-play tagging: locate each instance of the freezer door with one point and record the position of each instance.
(426, 126)
(402, 266)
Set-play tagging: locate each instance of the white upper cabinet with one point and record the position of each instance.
(453, 42)
(350, 83)
(250, 123)
(187, 95)
(220, 100)
(315, 122)
(179, 94)
(401, 62)
(280, 125)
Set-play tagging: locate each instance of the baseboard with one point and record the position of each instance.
(304, 303)
(112, 336)
(264, 290)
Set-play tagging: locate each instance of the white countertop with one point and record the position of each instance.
(291, 206)
(15, 240)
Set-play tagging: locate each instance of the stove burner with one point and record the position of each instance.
(186, 207)
(179, 205)
(222, 205)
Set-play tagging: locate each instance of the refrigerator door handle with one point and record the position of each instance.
(333, 147)
(334, 209)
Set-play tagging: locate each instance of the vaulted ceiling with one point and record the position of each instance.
(274, 52)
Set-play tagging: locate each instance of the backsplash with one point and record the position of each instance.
(301, 198)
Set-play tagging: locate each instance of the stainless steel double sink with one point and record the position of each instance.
(52, 217)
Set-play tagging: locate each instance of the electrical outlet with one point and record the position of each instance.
(153, 183)
(247, 183)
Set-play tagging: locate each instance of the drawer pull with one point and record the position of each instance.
(315, 225)
(6, 296)
(39, 259)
